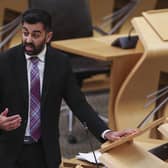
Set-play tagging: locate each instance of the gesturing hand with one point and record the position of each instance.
(9, 123)
(115, 135)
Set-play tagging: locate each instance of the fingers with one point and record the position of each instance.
(12, 126)
(5, 112)
(129, 131)
(13, 118)
(116, 135)
(13, 122)
(112, 135)
(9, 126)
(9, 123)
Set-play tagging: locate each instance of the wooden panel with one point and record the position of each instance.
(99, 9)
(97, 48)
(17, 5)
(164, 129)
(107, 146)
(143, 5)
(143, 79)
(9, 15)
(157, 20)
(131, 155)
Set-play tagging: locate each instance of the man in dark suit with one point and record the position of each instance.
(27, 145)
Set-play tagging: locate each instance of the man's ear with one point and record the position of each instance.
(49, 36)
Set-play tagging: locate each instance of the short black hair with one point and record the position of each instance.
(33, 16)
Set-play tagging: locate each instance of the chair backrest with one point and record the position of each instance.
(71, 18)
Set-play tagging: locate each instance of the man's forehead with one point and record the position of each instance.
(33, 27)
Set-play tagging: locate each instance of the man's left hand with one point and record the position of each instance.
(115, 135)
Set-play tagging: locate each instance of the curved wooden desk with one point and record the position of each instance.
(134, 73)
(132, 155)
(100, 48)
(146, 145)
(143, 79)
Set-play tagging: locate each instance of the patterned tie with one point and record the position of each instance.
(35, 129)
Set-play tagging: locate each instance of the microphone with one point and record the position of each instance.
(127, 42)
(90, 143)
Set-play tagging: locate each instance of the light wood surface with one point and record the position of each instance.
(109, 145)
(73, 163)
(144, 145)
(148, 144)
(131, 155)
(95, 47)
(16, 5)
(134, 73)
(100, 9)
(164, 129)
(100, 48)
(142, 6)
(157, 19)
(143, 78)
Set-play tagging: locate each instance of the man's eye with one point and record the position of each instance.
(25, 33)
(36, 35)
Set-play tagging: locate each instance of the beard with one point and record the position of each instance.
(31, 49)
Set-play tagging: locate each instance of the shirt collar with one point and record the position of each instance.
(41, 55)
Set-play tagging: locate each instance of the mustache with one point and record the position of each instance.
(29, 44)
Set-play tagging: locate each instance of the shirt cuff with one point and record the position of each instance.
(104, 132)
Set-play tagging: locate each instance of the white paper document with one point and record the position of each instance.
(89, 156)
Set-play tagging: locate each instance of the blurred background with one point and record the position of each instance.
(74, 19)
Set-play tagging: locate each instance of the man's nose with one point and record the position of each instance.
(29, 39)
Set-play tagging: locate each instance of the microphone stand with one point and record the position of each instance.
(90, 143)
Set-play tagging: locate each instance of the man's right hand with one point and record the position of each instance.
(9, 123)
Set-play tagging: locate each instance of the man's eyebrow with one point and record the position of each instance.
(24, 28)
(35, 31)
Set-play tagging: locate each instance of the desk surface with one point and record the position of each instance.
(149, 38)
(96, 47)
(146, 144)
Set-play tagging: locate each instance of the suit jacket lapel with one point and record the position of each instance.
(21, 75)
(46, 77)
(20, 71)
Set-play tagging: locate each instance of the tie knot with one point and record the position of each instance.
(34, 60)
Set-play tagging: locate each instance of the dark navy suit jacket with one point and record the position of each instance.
(59, 82)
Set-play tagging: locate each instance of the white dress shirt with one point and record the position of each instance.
(41, 65)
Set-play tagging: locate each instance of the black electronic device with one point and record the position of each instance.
(126, 42)
(160, 151)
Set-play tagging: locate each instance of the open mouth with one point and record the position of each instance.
(29, 48)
